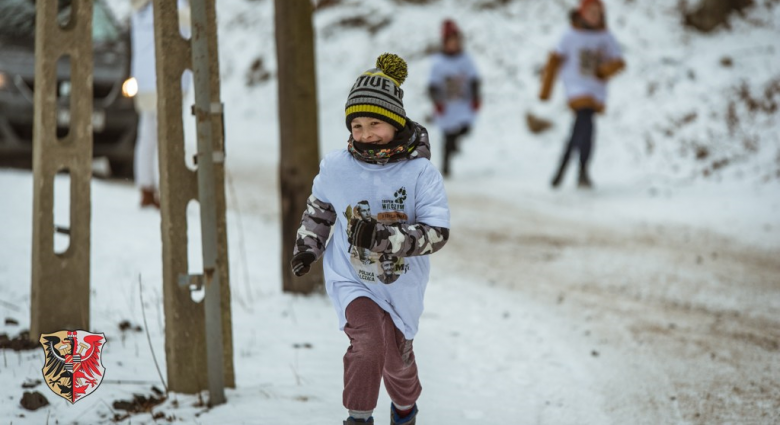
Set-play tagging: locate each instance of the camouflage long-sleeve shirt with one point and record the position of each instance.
(408, 240)
(316, 223)
(400, 240)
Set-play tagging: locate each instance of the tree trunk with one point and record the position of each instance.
(299, 156)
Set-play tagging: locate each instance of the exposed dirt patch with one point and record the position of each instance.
(33, 400)
(20, 342)
(142, 404)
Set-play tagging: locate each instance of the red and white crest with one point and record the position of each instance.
(73, 367)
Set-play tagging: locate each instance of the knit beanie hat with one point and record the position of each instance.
(377, 93)
(448, 29)
(585, 3)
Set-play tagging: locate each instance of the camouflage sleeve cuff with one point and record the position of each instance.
(409, 240)
(316, 223)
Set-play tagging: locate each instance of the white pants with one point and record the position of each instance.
(146, 151)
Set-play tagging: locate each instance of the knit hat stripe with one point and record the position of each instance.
(373, 109)
(380, 117)
(375, 101)
(377, 94)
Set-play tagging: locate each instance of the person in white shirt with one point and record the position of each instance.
(586, 56)
(142, 69)
(453, 87)
(387, 207)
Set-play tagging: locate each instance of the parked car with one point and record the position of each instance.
(114, 119)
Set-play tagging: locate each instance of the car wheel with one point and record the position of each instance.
(122, 169)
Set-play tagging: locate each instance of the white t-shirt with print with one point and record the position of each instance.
(583, 51)
(453, 74)
(407, 191)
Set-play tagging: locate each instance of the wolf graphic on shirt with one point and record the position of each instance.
(372, 266)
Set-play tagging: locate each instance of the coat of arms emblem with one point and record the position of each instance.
(73, 367)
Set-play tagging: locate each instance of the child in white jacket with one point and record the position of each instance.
(388, 205)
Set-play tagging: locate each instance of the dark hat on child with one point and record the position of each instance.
(449, 29)
(586, 3)
(377, 92)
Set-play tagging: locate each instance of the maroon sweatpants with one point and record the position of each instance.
(377, 350)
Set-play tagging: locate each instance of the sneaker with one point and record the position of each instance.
(584, 181)
(352, 421)
(149, 199)
(409, 419)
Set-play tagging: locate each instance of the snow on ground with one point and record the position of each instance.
(652, 299)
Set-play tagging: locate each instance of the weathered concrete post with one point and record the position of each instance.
(60, 282)
(185, 343)
(299, 149)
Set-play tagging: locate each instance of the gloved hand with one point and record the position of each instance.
(439, 108)
(606, 70)
(301, 262)
(601, 74)
(476, 103)
(361, 233)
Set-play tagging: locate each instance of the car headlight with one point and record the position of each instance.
(4, 81)
(130, 87)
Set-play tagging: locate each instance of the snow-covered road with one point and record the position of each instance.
(654, 299)
(534, 315)
(668, 323)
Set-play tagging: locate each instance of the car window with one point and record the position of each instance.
(17, 20)
(103, 27)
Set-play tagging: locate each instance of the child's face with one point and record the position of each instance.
(592, 14)
(372, 130)
(452, 44)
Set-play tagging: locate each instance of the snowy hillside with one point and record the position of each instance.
(652, 299)
(687, 102)
(677, 119)
(689, 107)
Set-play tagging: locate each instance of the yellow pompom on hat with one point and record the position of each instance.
(377, 92)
